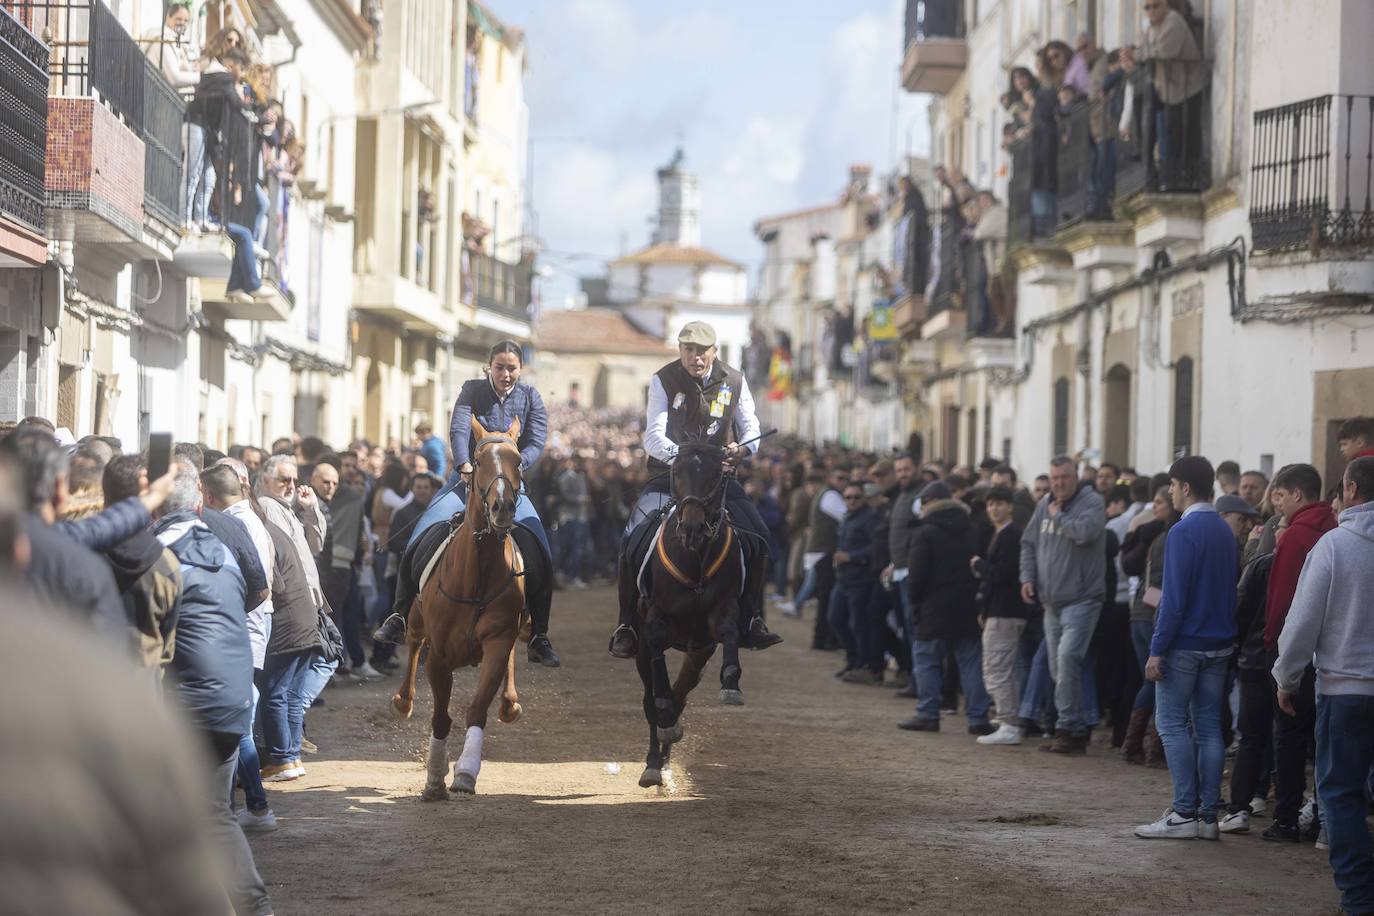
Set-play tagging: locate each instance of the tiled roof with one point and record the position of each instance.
(594, 330)
(664, 253)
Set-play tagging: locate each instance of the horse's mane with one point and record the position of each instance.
(696, 445)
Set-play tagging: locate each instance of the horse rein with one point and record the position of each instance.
(481, 604)
(495, 439)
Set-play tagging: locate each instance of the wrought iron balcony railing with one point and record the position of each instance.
(501, 287)
(933, 19)
(1312, 167)
(164, 114)
(23, 123)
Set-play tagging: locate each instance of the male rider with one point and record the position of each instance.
(700, 398)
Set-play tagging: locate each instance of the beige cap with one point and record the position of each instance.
(697, 332)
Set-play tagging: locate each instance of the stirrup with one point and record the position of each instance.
(634, 639)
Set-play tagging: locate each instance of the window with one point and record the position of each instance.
(1061, 416)
(1183, 407)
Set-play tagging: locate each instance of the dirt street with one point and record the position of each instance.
(806, 800)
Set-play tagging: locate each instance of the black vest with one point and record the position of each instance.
(704, 411)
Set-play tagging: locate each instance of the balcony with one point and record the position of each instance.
(114, 132)
(501, 289)
(908, 314)
(1311, 220)
(935, 50)
(1312, 174)
(1153, 171)
(23, 144)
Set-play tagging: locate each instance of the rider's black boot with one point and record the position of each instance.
(392, 630)
(624, 642)
(757, 636)
(540, 652)
(539, 600)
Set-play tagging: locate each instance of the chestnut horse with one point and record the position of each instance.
(694, 585)
(469, 612)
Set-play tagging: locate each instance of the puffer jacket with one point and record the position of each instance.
(213, 664)
(940, 581)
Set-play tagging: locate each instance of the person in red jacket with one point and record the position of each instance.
(1355, 438)
(1296, 494)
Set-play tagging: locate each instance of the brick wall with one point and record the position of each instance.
(94, 164)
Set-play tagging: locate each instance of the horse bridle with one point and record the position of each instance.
(715, 518)
(494, 439)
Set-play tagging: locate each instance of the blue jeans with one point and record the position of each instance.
(442, 508)
(575, 539)
(200, 175)
(1042, 212)
(1068, 633)
(929, 660)
(1345, 752)
(250, 777)
(243, 270)
(1193, 689)
(318, 671)
(283, 704)
(1142, 631)
(1102, 184)
(260, 220)
(848, 617)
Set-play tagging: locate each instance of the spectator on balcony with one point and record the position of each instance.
(1172, 50)
(166, 47)
(1053, 62)
(217, 99)
(226, 39)
(991, 235)
(1019, 101)
(1103, 114)
(1079, 73)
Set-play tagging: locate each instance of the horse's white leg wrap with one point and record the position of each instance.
(470, 761)
(436, 765)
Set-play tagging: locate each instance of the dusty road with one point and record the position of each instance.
(807, 800)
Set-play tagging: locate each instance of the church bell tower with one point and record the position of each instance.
(679, 205)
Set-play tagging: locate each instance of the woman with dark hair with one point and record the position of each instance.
(496, 401)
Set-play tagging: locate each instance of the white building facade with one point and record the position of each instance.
(1218, 307)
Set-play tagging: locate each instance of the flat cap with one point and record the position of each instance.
(697, 332)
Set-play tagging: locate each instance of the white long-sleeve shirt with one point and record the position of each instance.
(656, 441)
(259, 622)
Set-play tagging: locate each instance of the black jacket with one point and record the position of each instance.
(1250, 601)
(940, 583)
(999, 574)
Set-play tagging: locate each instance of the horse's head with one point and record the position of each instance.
(698, 478)
(496, 477)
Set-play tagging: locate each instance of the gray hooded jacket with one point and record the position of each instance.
(1332, 611)
(1065, 557)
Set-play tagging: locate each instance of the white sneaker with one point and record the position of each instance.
(578, 584)
(239, 296)
(1259, 807)
(257, 823)
(367, 672)
(1208, 830)
(262, 293)
(788, 609)
(1007, 734)
(1307, 815)
(1239, 822)
(1169, 827)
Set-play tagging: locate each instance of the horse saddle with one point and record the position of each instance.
(429, 547)
(646, 537)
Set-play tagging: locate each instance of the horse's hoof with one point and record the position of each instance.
(434, 793)
(731, 698)
(670, 735)
(650, 778)
(465, 783)
(514, 713)
(401, 709)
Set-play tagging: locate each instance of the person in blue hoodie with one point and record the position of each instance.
(1195, 630)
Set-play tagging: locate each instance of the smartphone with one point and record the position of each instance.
(159, 455)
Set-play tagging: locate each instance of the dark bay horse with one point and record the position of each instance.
(469, 612)
(692, 602)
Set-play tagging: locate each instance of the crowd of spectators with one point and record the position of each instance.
(1181, 618)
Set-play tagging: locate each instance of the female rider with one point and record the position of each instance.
(496, 401)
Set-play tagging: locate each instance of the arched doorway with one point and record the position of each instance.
(1116, 420)
(1183, 407)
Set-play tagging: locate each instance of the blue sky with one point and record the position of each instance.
(773, 100)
